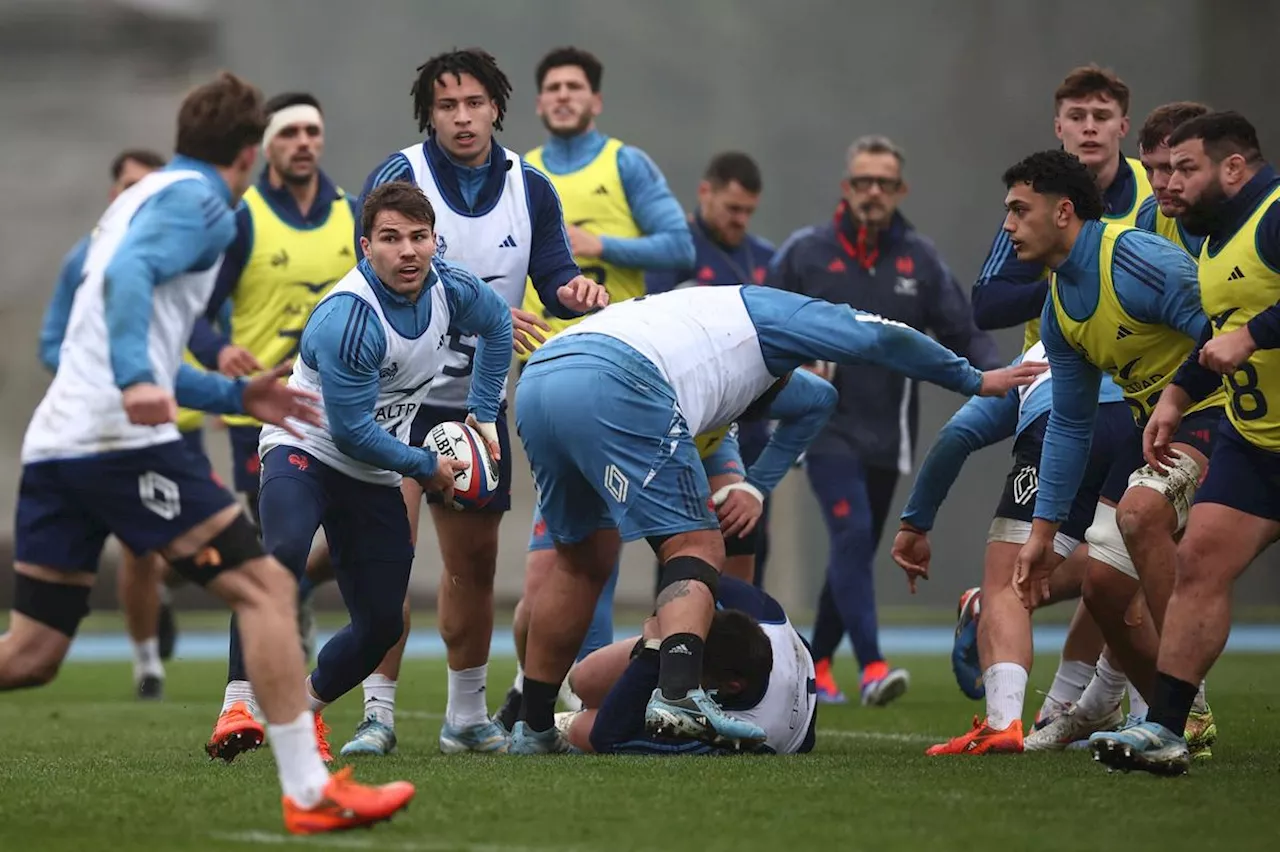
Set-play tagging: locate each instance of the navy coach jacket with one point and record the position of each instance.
(900, 277)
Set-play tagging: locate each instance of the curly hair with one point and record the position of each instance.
(1058, 173)
(475, 61)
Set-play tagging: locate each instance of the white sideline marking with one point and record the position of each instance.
(267, 838)
(881, 736)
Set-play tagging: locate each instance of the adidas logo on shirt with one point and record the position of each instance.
(601, 190)
(1122, 332)
(509, 242)
(1236, 275)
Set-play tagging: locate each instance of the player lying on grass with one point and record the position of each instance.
(760, 667)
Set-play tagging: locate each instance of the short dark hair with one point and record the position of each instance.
(1223, 134)
(145, 156)
(576, 56)
(737, 649)
(220, 119)
(288, 99)
(1164, 119)
(402, 197)
(733, 167)
(1092, 79)
(475, 61)
(1058, 173)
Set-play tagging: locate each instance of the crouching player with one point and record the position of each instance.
(761, 669)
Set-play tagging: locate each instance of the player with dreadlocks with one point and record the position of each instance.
(500, 218)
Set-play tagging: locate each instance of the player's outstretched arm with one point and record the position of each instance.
(980, 422)
(801, 408)
(348, 367)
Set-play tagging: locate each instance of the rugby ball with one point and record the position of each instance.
(475, 486)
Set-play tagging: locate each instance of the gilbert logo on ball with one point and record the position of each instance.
(475, 486)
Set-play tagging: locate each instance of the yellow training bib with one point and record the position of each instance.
(594, 200)
(288, 271)
(1236, 285)
(1141, 357)
(1142, 189)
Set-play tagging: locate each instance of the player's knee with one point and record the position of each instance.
(1106, 592)
(1155, 502)
(682, 569)
(1106, 542)
(379, 629)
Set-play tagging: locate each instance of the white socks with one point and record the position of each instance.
(146, 659)
(1199, 705)
(1137, 704)
(1069, 683)
(380, 699)
(466, 697)
(240, 690)
(303, 775)
(313, 701)
(1006, 685)
(1104, 692)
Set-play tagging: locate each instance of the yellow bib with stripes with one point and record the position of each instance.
(288, 271)
(1142, 189)
(594, 200)
(1236, 285)
(1141, 357)
(1168, 228)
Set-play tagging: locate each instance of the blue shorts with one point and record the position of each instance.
(364, 523)
(725, 460)
(1242, 476)
(1196, 429)
(608, 445)
(146, 498)
(1112, 433)
(246, 467)
(429, 416)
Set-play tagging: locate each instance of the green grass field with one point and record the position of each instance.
(83, 764)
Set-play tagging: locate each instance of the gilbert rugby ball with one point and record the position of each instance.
(475, 486)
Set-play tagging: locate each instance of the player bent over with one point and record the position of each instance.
(1004, 629)
(607, 411)
(760, 667)
(102, 455)
(371, 349)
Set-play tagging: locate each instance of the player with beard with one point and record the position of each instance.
(1228, 193)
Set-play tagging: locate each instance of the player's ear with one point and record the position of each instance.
(1124, 127)
(365, 245)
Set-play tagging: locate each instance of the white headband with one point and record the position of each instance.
(282, 118)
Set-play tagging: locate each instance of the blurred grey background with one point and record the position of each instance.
(966, 88)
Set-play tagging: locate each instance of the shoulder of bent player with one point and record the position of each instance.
(190, 219)
(1146, 220)
(394, 167)
(1268, 235)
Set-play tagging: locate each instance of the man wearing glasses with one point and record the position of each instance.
(869, 256)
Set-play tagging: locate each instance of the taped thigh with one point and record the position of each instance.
(1178, 483)
(1106, 544)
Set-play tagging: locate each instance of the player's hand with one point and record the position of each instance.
(1031, 570)
(584, 243)
(488, 431)
(738, 506)
(1157, 436)
(270, 400)
(1000, 382)
(236, 361)
(442, 481)
(526, 325)
(821, 369)
(912, 552)
(1225, 353)
(149, 405)
(583, 295)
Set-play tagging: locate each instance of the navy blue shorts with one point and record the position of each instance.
(146, 498)
(608, 444)
(1197, 430)
(1242, 476)
(364, 523)
(246, 468)
(429, 416)
(1111, 433)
